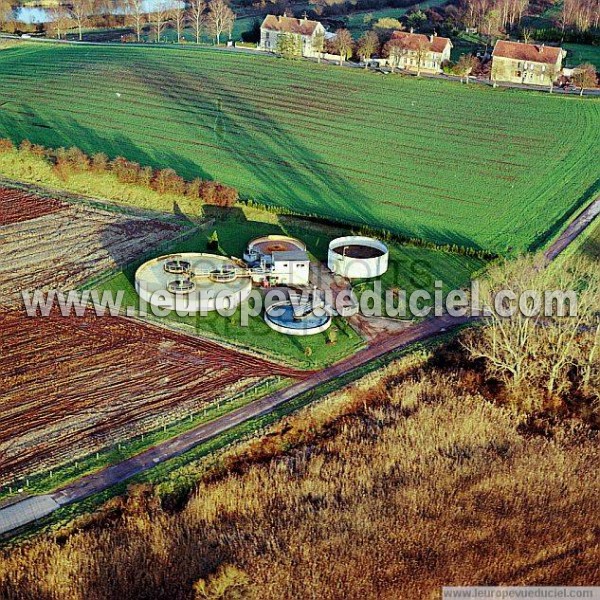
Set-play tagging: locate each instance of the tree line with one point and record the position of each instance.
(214, 17)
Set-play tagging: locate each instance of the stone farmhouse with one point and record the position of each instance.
(517, 62)
(303, 30)
(418, 52)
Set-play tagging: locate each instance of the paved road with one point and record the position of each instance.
(573, 231)
(21, 513)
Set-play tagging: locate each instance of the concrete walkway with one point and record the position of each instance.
(26, 511)
(31, 509)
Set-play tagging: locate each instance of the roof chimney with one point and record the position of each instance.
(412, 29)
(431, 39)
(542, 48)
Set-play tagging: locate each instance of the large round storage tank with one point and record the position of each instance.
(358, 257)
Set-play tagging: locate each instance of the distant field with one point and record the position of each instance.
(361, 21)
(495, 169)
(580, 53)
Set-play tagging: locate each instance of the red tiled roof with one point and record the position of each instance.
(290, 25)
(413, 41)
(527, 52)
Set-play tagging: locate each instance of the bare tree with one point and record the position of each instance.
(197, 17)
(318, 45)
(80, 12)
(541, 351)
(585, 77)
(179, 16)
(367, 46)
(220, 18)
(422, 50)
(136, 16)
(394, 50)
(465, 65)
(60, 21)
(343, 44)
(161, 16)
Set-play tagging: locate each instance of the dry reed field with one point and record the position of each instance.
(408, 480)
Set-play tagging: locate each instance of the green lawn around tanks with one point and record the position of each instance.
(487, 168)
(410, 268)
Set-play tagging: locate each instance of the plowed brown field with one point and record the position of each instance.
(47, 243)
(69, 386)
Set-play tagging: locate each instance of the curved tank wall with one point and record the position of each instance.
(208, 288)
(357, 257)
(281, 317)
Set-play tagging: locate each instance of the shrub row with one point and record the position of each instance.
(68, 161)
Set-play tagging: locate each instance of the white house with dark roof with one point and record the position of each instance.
(304, 30)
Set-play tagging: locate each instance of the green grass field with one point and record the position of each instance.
(410, 268)
(494, 169)
(582, 53)
(590, 245)
(361, 21)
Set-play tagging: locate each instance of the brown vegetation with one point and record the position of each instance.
(404, 482)
(99, 380)
(68, 161)
(551, 361)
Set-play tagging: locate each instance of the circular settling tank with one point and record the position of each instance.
(294, 318)
(275, 243)
(358, 257)
(192, 282)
